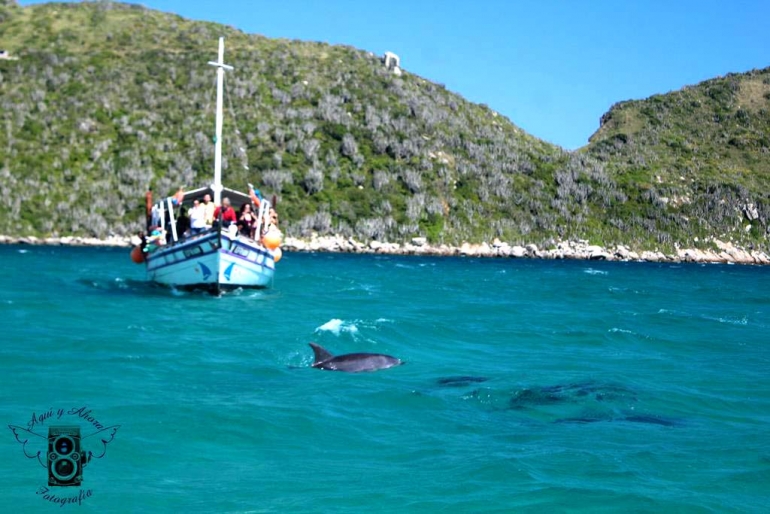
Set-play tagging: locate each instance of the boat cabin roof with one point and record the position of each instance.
(237, 198)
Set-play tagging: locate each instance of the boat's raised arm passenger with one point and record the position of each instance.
(273, 217)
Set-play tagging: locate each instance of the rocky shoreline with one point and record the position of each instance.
(725, 252)
(577, 250)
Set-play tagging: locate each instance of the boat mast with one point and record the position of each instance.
(221, 67)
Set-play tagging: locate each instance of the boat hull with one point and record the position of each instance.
(213, 261)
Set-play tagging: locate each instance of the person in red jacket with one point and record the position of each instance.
(228, 213)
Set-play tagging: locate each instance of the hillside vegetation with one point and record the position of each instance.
(107, 99)
(694, 163)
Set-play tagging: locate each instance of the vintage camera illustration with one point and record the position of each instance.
(66, 459)
(63, 453)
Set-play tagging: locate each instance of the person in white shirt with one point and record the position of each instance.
(197, 218)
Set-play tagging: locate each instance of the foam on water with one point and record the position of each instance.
(337, 326)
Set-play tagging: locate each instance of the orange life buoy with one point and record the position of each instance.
(272, 239)
(137, 255)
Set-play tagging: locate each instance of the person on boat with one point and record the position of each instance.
(154, 217)
(273, 217)
(246, 220)
(197, 218)
(148, 207)
(255, 195)
(157, 238)
(269, 221)
(182, 224)
(227, 212)
(142, 240)
(178, 197)
(208, 209)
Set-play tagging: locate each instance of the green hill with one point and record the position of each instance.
(694, 163)
(106, 99)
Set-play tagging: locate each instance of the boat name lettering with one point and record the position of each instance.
(192, 252)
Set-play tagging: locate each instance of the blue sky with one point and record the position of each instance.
(552, 67)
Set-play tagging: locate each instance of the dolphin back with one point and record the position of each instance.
(351, 362)
(321, 354)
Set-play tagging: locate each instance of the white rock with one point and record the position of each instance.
(518, 251)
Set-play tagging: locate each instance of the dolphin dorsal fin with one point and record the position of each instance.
(321, 354)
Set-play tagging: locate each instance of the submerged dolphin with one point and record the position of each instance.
(352, 362)
(636, 418)
(460, 381)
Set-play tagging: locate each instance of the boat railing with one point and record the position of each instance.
(167, 221)
(171, 220)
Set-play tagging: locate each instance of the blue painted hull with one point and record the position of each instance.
(212, 261)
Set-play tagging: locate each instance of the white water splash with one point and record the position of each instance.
(719, 319)
(732, 321)
(337, 326)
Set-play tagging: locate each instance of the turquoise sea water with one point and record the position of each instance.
(589, 386)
